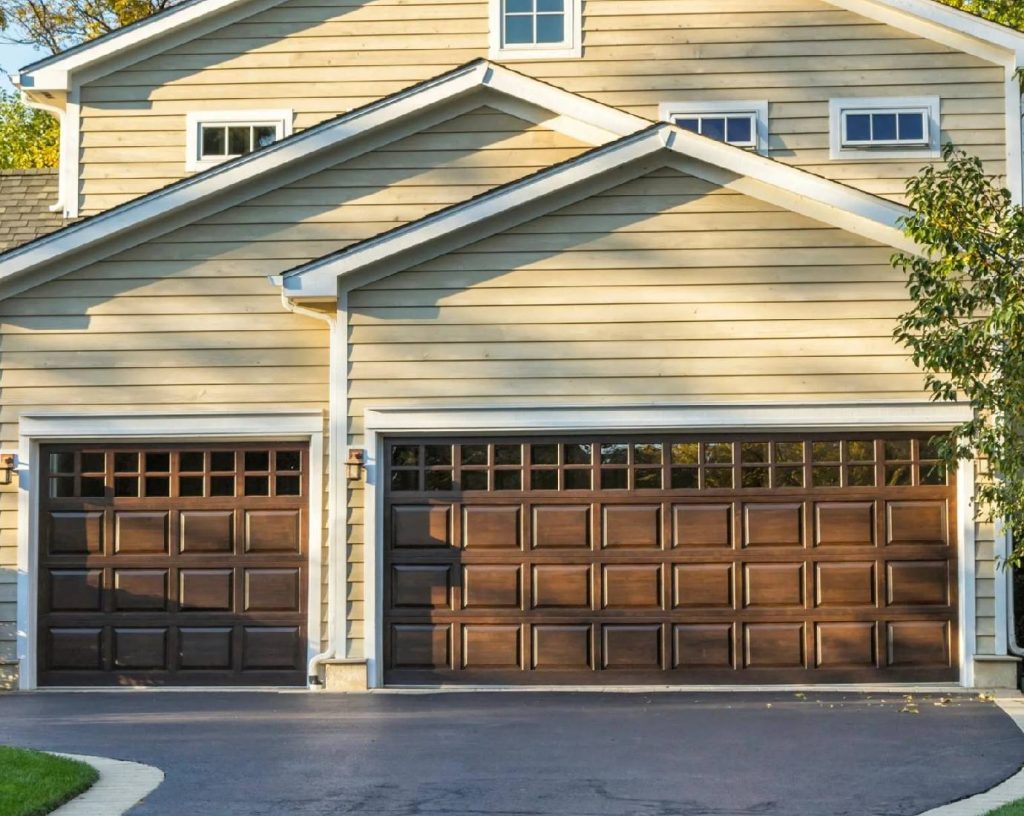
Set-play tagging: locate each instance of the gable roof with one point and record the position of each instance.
(520, 201)
(25, 199)
(55, 73)
(211, 191)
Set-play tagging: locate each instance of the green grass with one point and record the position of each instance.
(1012, 809)
(33, 783)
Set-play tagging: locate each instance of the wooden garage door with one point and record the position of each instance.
(173, 565)
(669, 559)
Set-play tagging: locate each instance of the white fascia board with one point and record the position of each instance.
(56, 74)
(826, 200)
(942, 24)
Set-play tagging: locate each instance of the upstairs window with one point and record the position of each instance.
(535, 29)
(214, 137)
(884, 128)
(741, 124)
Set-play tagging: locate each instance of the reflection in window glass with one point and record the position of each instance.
(685, 453)
(578, 454)
(614, 453)
(508, 454)
(718, 452)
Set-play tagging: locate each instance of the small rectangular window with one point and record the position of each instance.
(896, 128)
(885, 128)
(741, 124)
(528, 29)
(214, 137)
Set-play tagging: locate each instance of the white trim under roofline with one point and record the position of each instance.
(602, 121)
(811, 195)
(927, 18)
(469, 420)
(35, 430)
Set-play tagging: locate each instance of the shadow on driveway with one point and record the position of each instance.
(525, 753)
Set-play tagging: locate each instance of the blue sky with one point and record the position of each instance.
(12, 57)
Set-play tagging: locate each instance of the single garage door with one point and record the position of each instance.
(173, 565)
(669, 559)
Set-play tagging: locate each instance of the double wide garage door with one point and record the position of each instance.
(173, 565)
(669, 559)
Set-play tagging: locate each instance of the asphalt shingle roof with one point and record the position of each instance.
(25, 199)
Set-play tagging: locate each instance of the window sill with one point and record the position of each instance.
(883, 153)
(511, 54)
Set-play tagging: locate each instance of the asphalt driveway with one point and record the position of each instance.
(780, 754)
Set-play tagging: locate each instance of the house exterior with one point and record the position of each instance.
(494, 342)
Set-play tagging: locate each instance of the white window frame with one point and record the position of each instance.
(35, 430)
(757, 109)
(570, 47)
(929, 105)
(383, 422)
(195, 120)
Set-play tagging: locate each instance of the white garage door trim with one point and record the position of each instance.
(39, 429)
(470, 420)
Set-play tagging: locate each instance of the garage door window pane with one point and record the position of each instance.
(288, 460)
(190, 461)
(62, 462)
(287, 486)
(685, 453)
(508, 454)
(257, 460)
(438, 480)
(825, 451)
(789, 477)
(754, 452)
(222, 485)
(647, 479)
(647, 453)
(897, 449)
(158, 486)
(437, 455)
(405, 455)
(716, 477)
(825, 476)
(474, 480)
(789, 452)
(578, 454)
(685, 478)
(222, 460)
(755, 477)
(860, 450)
(932, 474)
(126, 486)
(93, 462)
(544, 479)
(897, 475)
(93, 487)
(158, 462)
(473, 455)
(544, 454)
(404, 480)
(614, 453)
(126, 462)
(577, 480)
(190, 486)
(614, 479)
(62, 487)
(508, 480)
(861, 476)
(718, 453)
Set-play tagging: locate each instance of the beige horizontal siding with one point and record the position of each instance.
(190, 320)
(647, 293)
(321, 59)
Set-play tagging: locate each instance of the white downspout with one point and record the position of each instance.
(333, 474)
(60, 113)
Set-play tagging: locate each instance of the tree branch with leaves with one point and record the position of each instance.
(966, 328)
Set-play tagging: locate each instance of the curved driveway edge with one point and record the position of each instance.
(1002, 794)
(121, 786)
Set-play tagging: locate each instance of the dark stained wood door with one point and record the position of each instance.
(669, 559)
(173, 565)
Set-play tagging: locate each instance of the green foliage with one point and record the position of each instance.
(966, 330)
(1008, 12)
(1012, 809)
(54, 25)
(33, 783)
(28, 137)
